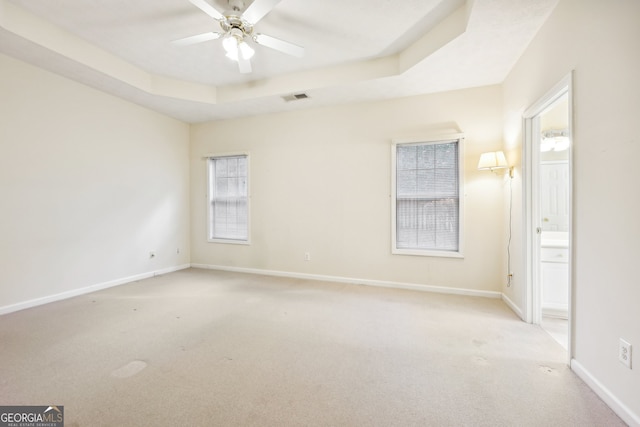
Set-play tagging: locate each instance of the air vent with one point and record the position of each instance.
(295, 97)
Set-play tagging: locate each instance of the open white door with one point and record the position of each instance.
(548, 212)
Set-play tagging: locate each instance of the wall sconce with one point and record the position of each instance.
(494, 160)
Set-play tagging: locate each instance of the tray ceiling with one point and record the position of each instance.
(354, 51)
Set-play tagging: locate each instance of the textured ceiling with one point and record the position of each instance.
(354, 50)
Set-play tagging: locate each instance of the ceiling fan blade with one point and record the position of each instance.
(208, 9)
(258, 9)
(196, 39)
(281, 45)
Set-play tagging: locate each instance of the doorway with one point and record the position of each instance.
(548, 183)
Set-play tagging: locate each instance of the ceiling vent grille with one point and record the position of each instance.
(295, 97)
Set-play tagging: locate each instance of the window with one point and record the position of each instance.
(228, 199)
(427, 207)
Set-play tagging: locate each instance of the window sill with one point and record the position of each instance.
(230, 241)
(428, 253)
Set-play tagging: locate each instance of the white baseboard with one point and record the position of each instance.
(559, 312)
(368, 282)
(81, 291)
(627, 415)
(513, 306)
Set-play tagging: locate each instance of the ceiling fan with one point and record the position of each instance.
(237, 29)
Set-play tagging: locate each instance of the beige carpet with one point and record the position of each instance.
(206, 348)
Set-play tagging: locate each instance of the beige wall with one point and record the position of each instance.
(320, 182)
(89, 183)
(600, 41)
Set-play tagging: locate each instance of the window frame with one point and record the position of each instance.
(211, 186)
(420, 141)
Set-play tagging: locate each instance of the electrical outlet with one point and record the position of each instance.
(307, 256)
(624, 353)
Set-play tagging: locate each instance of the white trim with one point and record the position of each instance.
(227, 154)
(428, 138)
(426, 252)
(513, 306)
(622, 410)
(558, 311)
(229, 241)
(355, 281)
(552, 95)
(219, 240)
(86, 290)
(531, 241)
(532, 256)
(460, 137)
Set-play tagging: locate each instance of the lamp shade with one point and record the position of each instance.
(492, 160)
(235, 46)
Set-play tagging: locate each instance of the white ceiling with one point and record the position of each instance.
(355, 50)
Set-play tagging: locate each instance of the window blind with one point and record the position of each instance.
(228, 194)
(427, 196)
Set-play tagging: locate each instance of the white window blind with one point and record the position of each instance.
(228, 198)
(427, 197)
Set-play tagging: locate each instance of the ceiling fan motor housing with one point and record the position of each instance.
(234, 24)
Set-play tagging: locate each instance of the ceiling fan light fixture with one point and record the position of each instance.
(245, 50)
(240, 49)
(237, 29)
(555, 140)
(234, 45)
(230, 45)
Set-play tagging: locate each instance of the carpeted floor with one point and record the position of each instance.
(208, 348)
